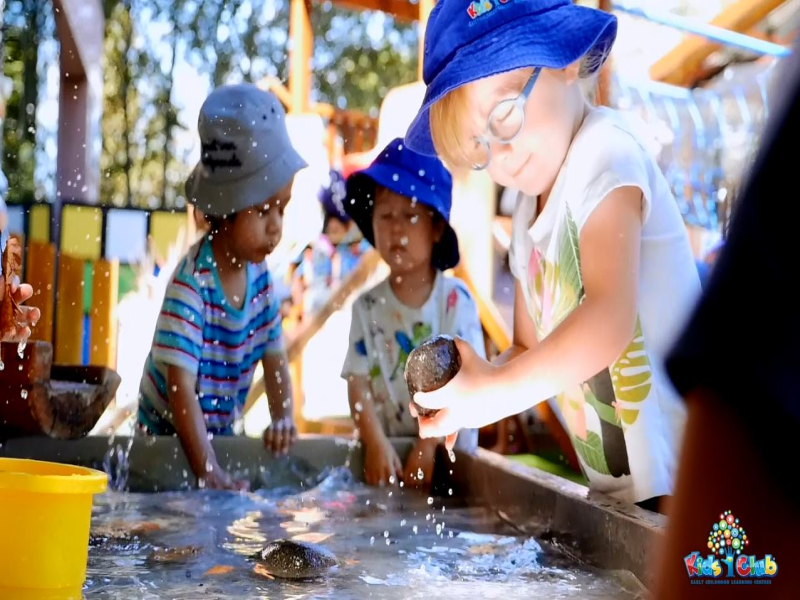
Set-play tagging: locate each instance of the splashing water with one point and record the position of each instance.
(116, 464)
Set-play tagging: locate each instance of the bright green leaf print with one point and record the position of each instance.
(604, 411)
(591, 451)
(569, 256)
(375, 372)
(632, 376)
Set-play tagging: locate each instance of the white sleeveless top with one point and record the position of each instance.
(626, 423)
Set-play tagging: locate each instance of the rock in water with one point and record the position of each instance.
(295, 560)
(430, 366)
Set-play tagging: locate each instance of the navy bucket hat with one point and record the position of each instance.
(421, 178)
(331, 196)
(466, 41)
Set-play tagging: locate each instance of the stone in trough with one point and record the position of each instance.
(287, 559)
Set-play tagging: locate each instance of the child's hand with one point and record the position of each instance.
(462, 403)
(280, 435)
(26, 318)
(421, 459)
(381, 463)
(217, 478)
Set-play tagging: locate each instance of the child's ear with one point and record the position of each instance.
(438, 229)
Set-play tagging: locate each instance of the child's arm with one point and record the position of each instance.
(191, 428)
(281, 433)
(381, 462)
(590, 339)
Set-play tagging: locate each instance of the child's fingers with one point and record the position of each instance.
(435, 400)
(413, 410)
(23, 291)
(440, 425)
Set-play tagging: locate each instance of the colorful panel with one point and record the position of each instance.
(39, 223)
(81, 231)
(166, 230)
(126, 235)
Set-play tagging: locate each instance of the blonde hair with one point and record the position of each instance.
(449, 114)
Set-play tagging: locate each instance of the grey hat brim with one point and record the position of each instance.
(221, 198)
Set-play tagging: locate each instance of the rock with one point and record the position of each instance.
(430, 366)
(287, 559)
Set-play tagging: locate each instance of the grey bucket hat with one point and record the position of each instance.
(247, 156)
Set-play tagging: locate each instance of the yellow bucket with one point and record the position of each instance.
(45, 513)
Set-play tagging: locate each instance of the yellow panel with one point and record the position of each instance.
(81, 228)
(39, 223)
(166, 229)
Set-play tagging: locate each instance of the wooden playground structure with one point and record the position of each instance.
(78, 285)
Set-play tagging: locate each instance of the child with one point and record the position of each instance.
(332, 256)
(220, 315)
(27, 316)
(603, 267)
(401, 203)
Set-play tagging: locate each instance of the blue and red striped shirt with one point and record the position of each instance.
(198, 330)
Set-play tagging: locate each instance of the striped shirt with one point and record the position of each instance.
(199, 331)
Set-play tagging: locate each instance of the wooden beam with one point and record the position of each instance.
(302, 43)
(425, 8)
(604, 77)
(310, 327)
(401, 10)
(681, 65)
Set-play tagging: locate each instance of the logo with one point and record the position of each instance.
(478, 9)
(727, 561)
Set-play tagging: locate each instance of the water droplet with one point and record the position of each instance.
(438, 529)
(403, 523)
(404, 240)
(452, 455)
(395, 177)
(430, 500)
(359, 407)
(2, 365)
(415, 529)
(21, 350)
(450, 492)
(422, 172)
(174, 388)
(24, 394)
(388, 541)
(421, 476)
(414, 219)
(386, 534)
(372, 541)
(391, 482)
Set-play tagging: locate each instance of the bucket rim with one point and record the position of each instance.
(44, 477)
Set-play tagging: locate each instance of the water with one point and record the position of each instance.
(196, 545)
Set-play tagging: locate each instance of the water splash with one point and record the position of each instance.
(116, 464)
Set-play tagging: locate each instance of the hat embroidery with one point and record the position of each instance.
(213, 162)
(478, 9)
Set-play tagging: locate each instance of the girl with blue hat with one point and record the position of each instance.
(401, 203)
(604, 271)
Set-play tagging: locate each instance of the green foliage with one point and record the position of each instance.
(358, 57)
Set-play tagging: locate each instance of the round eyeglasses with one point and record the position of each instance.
(504, 125)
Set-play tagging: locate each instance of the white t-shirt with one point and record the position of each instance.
(383, 331)
(626, 423)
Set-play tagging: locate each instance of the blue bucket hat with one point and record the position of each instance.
(466, 41)
(421, 178)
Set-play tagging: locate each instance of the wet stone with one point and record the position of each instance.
(430, 366)
(287, 559)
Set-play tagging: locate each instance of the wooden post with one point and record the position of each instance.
(604, 77)
(40, 274)
(105, 289)
(69, 311)
(302, 47)
(425, 8)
